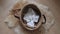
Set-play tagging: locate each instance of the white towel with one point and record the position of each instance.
(31, 17)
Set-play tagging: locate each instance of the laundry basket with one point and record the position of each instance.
(25, 10)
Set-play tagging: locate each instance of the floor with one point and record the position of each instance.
(54, 6)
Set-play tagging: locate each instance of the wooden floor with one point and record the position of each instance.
(54, 6)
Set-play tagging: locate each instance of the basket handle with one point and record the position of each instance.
(17, 10)
(44, 19)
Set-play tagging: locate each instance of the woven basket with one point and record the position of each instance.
(24, 11)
